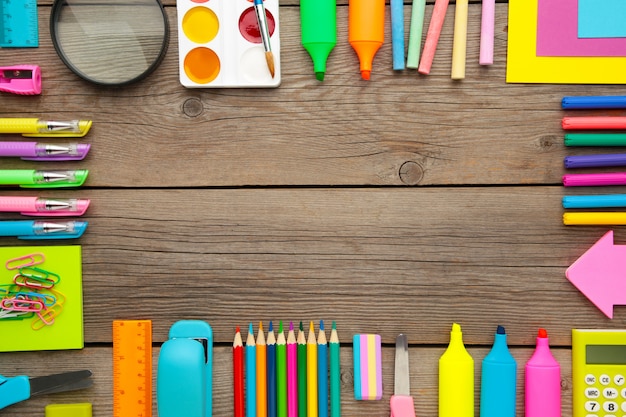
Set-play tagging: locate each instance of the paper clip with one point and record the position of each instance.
(24, 281)
(46, 317)
(48, 300)
(14, 304)
(15, 315)
(24, 261)
(40, 274)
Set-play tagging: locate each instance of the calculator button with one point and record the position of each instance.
(605, 379)
(619, 380)
(590, 379)
(610, 393)
(592, 406)
(592, 415)
(624, 407)
(610, 406)
(624, 393)
(592, 392)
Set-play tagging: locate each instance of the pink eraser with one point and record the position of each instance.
(368, 370)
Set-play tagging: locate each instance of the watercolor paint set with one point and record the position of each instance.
(220, 44)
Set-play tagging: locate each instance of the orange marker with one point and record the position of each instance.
(366, 31)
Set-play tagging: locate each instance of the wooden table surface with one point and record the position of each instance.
(398, 205)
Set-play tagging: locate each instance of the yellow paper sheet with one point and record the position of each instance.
(524, 66)
(67, 330)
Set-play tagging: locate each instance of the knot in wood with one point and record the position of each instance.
(193, 107)
(411, 173)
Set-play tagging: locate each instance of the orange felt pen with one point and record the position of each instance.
(366, 31)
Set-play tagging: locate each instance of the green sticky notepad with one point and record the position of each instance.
(67, 330)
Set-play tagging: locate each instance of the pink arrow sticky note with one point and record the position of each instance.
(600, 274)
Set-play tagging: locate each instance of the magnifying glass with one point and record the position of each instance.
(110, 42)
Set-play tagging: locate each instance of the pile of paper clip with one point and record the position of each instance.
(31, 295)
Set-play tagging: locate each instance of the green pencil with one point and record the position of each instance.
(281, 373)
(302, 409)
(335, 373)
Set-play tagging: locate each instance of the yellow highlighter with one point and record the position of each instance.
(456, 378)
(33, 127)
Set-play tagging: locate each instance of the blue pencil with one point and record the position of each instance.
(594, 201)
(322, 372)
(271, 372)
(250, 374)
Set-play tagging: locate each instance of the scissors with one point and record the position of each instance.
(20, 388)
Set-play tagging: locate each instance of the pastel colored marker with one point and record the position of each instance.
(366, 31)
(543, 381)
(499, 380)
(318, 20)
(456, 378)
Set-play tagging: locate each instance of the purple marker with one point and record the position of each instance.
(594, 161)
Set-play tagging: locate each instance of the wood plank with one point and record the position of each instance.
(418, 258)
(423, 362)
(397, 129)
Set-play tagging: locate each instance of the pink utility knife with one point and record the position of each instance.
(35, 206)
(21, 79)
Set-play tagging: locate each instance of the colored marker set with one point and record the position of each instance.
(228, 43)
(366, 22)
(286, 375)
(30, 178)
(596, 124)
(498, 389)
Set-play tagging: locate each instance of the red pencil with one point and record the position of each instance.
(238, 374)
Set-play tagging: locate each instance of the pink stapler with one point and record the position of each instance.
(21, 79)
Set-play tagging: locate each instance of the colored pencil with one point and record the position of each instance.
(271, 372)
(281, 372)
(302, 377)
(487, 32)
(459, 43)
(311, 373)
(250, 374)
(292, 373)
(322, 372)
(594, 219)
(415, 33)
(335, 373)
(238, 374)
(261, 373)
(432, 37)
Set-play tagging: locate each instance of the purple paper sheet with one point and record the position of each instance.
(557, 33)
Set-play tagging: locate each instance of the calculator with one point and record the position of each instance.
(599, 373)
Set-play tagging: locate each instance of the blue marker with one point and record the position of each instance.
(397, 34)
(594, 102)
(499, 378)
(594, 201)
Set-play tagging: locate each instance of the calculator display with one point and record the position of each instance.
(606, 354)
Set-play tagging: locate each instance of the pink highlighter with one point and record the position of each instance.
(543, 381)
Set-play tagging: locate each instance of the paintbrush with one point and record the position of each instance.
(261, 18)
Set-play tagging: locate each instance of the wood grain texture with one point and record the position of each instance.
(240, 205)
(423, 363)
(398, 129)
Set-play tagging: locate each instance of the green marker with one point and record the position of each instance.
(318, 19)
(30, 178)
(595, 139)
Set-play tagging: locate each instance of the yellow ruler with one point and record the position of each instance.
(132, 368)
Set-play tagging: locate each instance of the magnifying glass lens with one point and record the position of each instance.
(110, 42)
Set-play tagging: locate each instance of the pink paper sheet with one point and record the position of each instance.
(557, 33)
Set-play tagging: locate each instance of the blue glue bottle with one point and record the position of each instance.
(499, 380)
